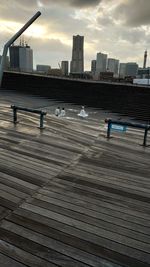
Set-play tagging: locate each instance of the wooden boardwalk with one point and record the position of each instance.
(71, 198)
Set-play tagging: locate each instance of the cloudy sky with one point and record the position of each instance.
(120, 28)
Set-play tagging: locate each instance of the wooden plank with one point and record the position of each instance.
(13, 191)
(12, 184)
(7, 204)
(50, 139)
(108, 212)
(100, 227)
(101, 182)
(9, 196)
(21, 175)
(3, 212)
(95, 193)
(111, 175)
(135, 207)
(109, 239)
(74, 237)
(92, 217)
(20, 182)
(28, 169)
(58, 235)
(7, 261)
(22, 256)
(27, 159)
(40, 251)
(35, 155)
(90, 196)
(82, 258)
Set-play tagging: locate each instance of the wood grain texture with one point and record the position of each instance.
(69, 197)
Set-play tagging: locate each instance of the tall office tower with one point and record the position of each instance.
(93, 66)
(101, 62)
(64, 68)
(77, 63)
(113, 65)
(21, 58)
(131, 69)
(122, 70)
(145, 60)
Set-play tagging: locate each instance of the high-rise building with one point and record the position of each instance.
(77, 63)
(145, 60)
(122, 70)
(101, 62)
(64, 68)
(21, 58)
(131, 69)
(93, 66)
(113, 65)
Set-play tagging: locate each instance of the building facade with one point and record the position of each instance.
(122, 70)
(93, 66)
(65, 68)
(101, 62)
(145, 59)
(143, 73)
(131, 69)
(113, 66)
(43, 68)
(77, 62)
(21, 58)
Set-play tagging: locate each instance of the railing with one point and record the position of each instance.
(146, 127)
(40, 112)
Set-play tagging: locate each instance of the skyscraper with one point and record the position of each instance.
(145, 60)
(21, 58)
(131, 69)
(64, 68)
(93, 66)
(122, 70)
(77, 63)
(113, 65)
(101, 62)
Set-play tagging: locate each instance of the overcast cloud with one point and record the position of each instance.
(119, 28)
(134, 12)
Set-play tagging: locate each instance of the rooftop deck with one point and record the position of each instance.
(68, 196)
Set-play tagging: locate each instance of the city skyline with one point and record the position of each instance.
(119, 28)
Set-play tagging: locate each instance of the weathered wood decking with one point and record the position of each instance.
(69, 197)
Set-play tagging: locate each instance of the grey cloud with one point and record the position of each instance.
(134, 13)
(29, 4)
(57, 20)
(132, 35)
(74, 3)
(20, 11)
(54, 19)
(105, 21)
